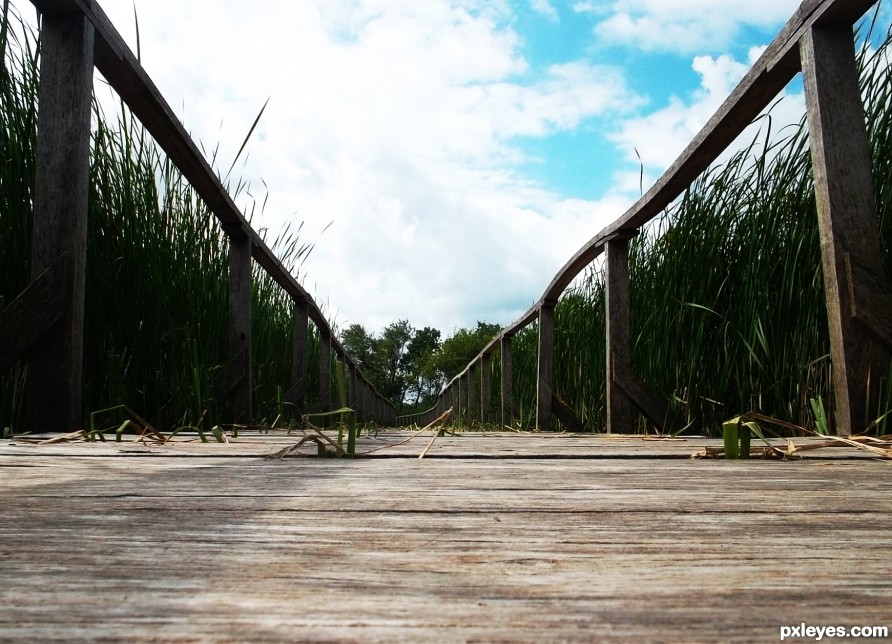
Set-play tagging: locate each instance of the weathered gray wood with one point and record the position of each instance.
(507, 382)
(846, 214)
(440, 549)
(473, 383)
(545, 370)
(648, 402)
(871, 298)
(564, 413)
(34, 312)
(351, 388)
(324, 402)
(618, 327)
(486, 417)
(55, 364)
(300, 321)
(240, 318)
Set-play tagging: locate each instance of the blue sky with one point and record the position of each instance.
(462, 150)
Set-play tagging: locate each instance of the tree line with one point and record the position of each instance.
(409, 365)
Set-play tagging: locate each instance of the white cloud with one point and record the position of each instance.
(398, 122)
(683, 26)
(662, 135)
(545, 8)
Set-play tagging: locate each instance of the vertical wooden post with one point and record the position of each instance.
(324, 403)
(240, 327)
(846, 215)
(61, 187)
(351, 388)
(473, 380)
(545, 372)
(461, 396)
(507, 376)
(486, 389)
(298, 392)
(618, 327)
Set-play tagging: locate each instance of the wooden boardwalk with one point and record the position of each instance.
(490, 538)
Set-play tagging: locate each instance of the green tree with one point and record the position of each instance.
(422, 377)
(464, 345)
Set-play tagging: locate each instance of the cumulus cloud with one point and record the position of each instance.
(545, 8)
(680, 26)
(660, 136)
(399, 122)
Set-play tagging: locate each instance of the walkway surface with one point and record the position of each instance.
(496, 537)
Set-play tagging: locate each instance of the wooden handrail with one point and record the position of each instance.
(775, 68)
(120, 67)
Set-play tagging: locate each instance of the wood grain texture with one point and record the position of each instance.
(545, 367)
(296, 395)
(618, 331)
(507, 383)
(871, 299)
(486, 415)
(323, 404)
(240, 322)
(54, 386)
(220, 545)
(846, 216)
(473, 395)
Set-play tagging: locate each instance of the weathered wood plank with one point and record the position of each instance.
(240, 322)
(871, 298)
(648, 402)
(486, 416)
(564, 413)
(297, 393)
(545, 369)
(438, 550)
(473, 383)
(618, 330)
(507, 382)
(846, 216)
(55, 364)
(34, 311)
(323, 404)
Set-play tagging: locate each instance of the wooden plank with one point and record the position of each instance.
(438, 550)
(648, 402)
(240, 320)
(846, 216)
(324, 402)
(54, 386)
(34, 312)
(566, 415)
(507, 382)
(486, 416)
(871, 298)
(618, 329)
(545, 370)
(473, 384)
(297, 393)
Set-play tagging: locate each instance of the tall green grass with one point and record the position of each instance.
(727, 305)
(157, 270)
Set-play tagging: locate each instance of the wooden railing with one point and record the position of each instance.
(817, 41)
(45, 322)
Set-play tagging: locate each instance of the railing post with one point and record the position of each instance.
(324, 403)
(545, 371)
(473, 399)
(240, 327)
(847, 218)
(486, 389)
(61, 187)
(351, 388)
(297, 393)
(507, 376)
(618, 327)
